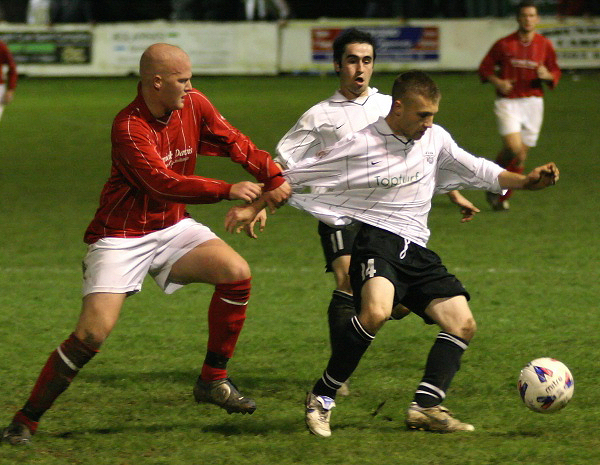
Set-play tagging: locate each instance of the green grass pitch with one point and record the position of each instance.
(532, 273)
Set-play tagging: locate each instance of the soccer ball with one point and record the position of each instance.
(546, 385)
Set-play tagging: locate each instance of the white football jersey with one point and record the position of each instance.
(327, 122)
(385, 180)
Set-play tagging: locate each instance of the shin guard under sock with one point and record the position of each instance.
(345, 356)
(56, 376)
(442, 364)
(341, 309)
(226, 315)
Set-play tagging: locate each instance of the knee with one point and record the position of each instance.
(373, 319)
(92, 338)
(238, 270)
(468, 329)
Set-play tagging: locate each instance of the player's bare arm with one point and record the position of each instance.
(539, 178)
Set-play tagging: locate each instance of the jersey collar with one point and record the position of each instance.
(339, 98)
(384, 129)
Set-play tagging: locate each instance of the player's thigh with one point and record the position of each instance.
(508, 116)
(212, 262)
(453, 315)
(99, 314)
(533, 116)
(377, 301)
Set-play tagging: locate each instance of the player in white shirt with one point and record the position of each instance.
(384, 177)
(351, 108)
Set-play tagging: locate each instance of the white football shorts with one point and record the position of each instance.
(520, 115)
(119, 265)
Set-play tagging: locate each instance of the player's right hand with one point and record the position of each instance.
(246, 191)
(542, 176)
(278, 197)
(504, 86)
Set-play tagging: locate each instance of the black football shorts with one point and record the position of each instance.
(416, 272)
(336, 241)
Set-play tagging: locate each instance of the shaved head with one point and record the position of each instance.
(165, 74)
(161, 59)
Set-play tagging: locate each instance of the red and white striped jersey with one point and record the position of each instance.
(153, 161)
(510, 58)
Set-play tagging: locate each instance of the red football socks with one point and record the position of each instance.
(226, 315)
(61, 367)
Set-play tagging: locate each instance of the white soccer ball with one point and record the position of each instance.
(546, 385)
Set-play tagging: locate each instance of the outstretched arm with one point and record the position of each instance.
(539, 178)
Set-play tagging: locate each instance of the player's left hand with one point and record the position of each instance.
(543, 73)
(467, 208)
(244, 217)
(468, 212)
(542, 176)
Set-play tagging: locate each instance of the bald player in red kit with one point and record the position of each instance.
(517, 65)
(142, 227)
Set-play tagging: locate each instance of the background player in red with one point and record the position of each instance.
(142, 227)
(8, 85)
(517, 65)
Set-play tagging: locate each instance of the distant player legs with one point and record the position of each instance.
(514, 152)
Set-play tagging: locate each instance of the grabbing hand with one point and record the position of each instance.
(542, 176)
(277, 197)
(246, 191)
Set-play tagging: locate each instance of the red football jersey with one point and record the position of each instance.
(6, 58)
(152, 174)
(509, 58)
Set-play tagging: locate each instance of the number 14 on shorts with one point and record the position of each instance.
(368, 269)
